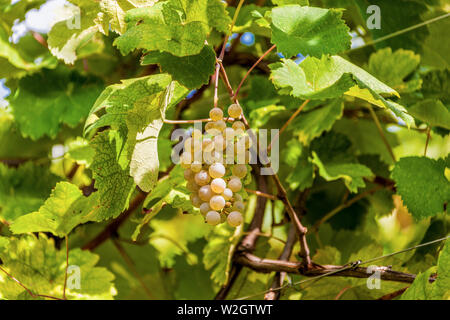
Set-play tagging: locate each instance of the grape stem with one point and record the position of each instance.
(251, 69)
(262, 194)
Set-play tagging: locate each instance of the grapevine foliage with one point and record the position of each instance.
(89, 131)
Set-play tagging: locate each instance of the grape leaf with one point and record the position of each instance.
(179, 27)
(312, 124)
(80, 151)
(24, 189)
(110, 172)
(422, 184)
(66, 37)
(195, 70)
(351, 173)
(65, 209)
(331, 77)
(112, 14)
(393, 67)
(136, 109)
(285, 2)
(431, 111)
(37, 264)
(65, 100)
(219, 251)
(422, 289)
(308, 30)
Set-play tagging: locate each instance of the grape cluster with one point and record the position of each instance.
(215, 163)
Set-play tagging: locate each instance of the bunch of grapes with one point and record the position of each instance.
(215, 163)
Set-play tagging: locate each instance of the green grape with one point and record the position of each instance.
(207, 145)
(235, 219)
(218, 185)
(217, 202)
(238, 206)
(239, 170)
(205, 208)
(196, 166)
(238, 197)
(196, 201)
(227, 194)
(234, 111)
(205, 192)
(216, 114)
(189, 174)
(202, 178)
(212, 218)
(217, 170)
(235, 184)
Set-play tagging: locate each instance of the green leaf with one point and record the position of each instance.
(218, 252)
(422, 184)
(302, 176)
(351, 173)
(393, 67)
(46, 100)
(37, 264)
(112, 15)
(331, 77)
(110, 172)
(136, 109)
(80, 151)
(432, 112)
(309, 31)
(64, 210)
(179, 27)
(285, 2)
(66, 37)
(24, 189)
(190, 71)
(422, 289)
(312, 124)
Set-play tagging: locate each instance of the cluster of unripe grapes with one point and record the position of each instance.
(215, 163)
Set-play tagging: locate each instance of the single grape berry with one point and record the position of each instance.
(213, 218)
(228, 134)
(202, 178)
(238, 127)
(217, 170)
(205, 192)
(189, 174)
(235, 219)
(227, 194)
(235, 184)
(239, 170)
(218, 185)
(196, 167)
(197, 134)
(196, 201)
(234, 111)
(220, 125)
(238, 197)
(219, 142)
(216, 114)
(238, 206)
(205, 208)
(192, 186)
(217, 202)
(207, 145)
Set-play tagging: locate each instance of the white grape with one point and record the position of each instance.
(189, 174)
(205, 208)
(234, 111)
(196, 166)
(220, 125)
(196, 201)
(212, 218)
(218, 185)
(217, 170)
(235, 184)
(219, 142)
(207, 145)
(205, 192)
(239, 170)
(227, 194)
(192, 186)
(235, 219)
(197, 134)
(239, 206)
(202, 178)
(228, 133)
(216, 114)
(217, 202)
(238, 197)
(239, 127)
